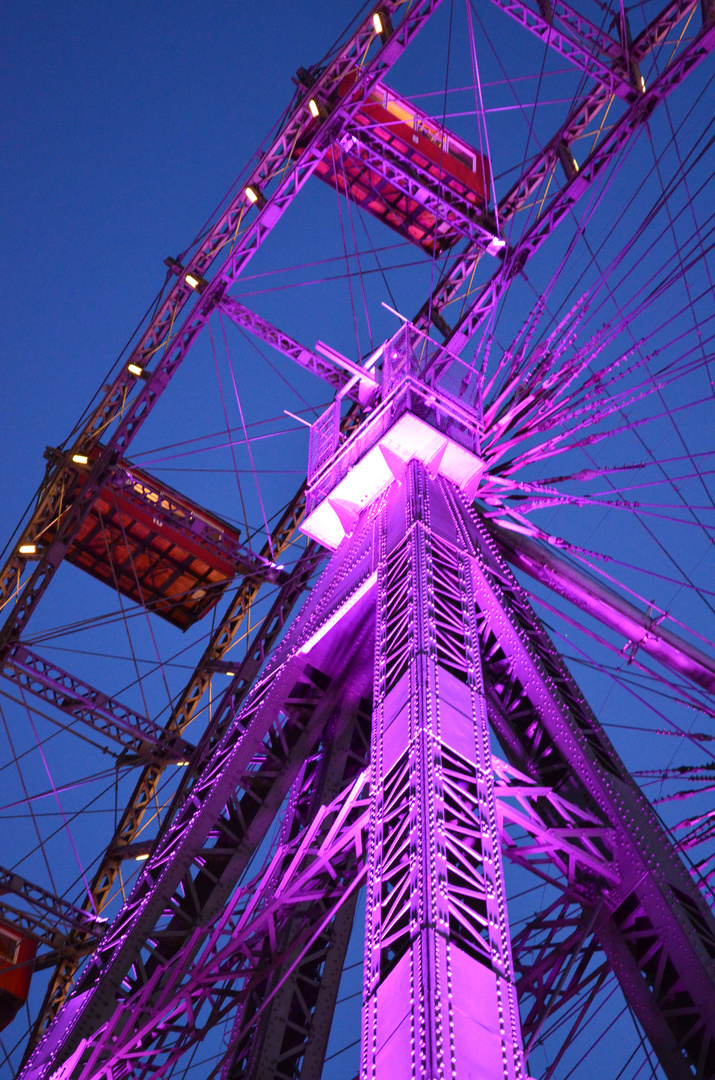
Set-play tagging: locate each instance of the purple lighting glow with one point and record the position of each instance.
(397, 767)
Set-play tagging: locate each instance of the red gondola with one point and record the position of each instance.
(155, 546)
(417, 139)
(17, 956)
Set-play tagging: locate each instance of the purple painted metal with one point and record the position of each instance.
(418, 596)
(637, 113)
(306, 358)
(46, 917)
(283, 1023)
(548, 732)
(578, 40)
(439, 996)
(78, 699)
(234, 797)
(457, 215)
(129, 400)
(456, 644)
(245, 673)
(640, 629)
(247, 241)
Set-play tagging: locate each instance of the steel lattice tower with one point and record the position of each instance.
(414, 730)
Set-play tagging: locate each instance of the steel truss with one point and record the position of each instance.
(575, 805)
(46, 918)
(132, 398)
(437, 605)
(460, 274)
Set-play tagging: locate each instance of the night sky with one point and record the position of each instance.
(124, 126)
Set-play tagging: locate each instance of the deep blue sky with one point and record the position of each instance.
(122, 127)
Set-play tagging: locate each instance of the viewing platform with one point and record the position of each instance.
(411, 421)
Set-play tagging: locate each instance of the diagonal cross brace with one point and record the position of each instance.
(77, 698)
(580, 42)
(280, 177)
(637, 113)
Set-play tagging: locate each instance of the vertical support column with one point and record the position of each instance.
(439, 999)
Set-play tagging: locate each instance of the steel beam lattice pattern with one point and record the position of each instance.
(548, 218)
(434, 787)
(439, 997)
(370, 723)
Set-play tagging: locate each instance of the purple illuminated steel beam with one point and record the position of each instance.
(229, 807)
(310, 880)
(561, 205)
(568, 850)
(419, 185)
(592, 36)
(123, 844)
(641, 631)
(283, 1023)
(46, 932)
(539, 170)
(566, 838)
(438, 992)
(77, 698)
(288, 966)
(658, 29)
(253, 800)
(186, 853)
(657, 920)
(576, 39)
(288, 1030)
(585, 111)
(48, 918)
(185, 708)
(311, 876)
(557, 958)
(443, 588)
(586, 44)
(299, 354)
(297, 1022)
(243, 674)
(278, 177)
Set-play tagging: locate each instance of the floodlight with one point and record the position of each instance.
(382, 24)
(255, 196)
(196, 282)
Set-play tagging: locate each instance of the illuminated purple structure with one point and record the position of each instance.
(418, 612)
(414, 730)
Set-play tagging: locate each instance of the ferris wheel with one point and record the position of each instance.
(492, 319)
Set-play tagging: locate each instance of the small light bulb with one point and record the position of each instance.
(180, 764)
(314, 108)
(251, 195)
(134, 369)
(196, 282)
(27, 549)
(377, 23)
(80, 459)
(141, 858)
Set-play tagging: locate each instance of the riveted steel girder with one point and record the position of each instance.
(630, 123)
(563, 785)
(81, 701)
(242, 229)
